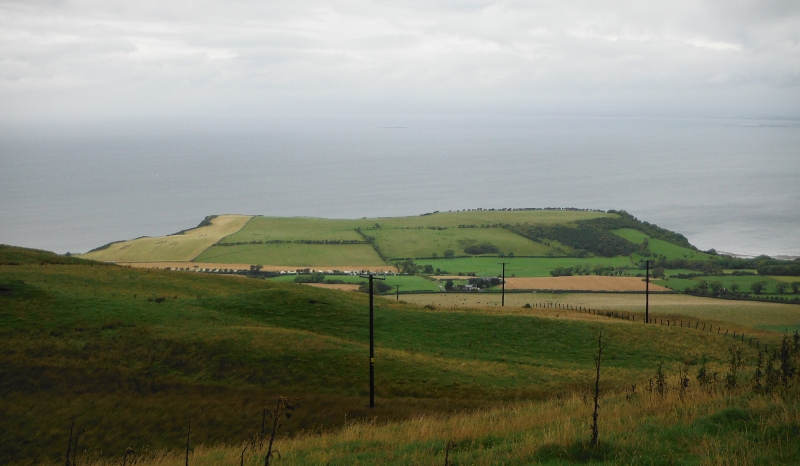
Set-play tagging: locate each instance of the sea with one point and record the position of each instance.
(728, 184)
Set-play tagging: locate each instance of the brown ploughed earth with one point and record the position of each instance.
(581, 283)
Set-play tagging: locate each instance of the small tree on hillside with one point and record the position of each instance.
(795, 287)
(781, 287)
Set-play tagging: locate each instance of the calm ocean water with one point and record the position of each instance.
(733, 185)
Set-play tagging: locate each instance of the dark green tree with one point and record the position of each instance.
(758, 287)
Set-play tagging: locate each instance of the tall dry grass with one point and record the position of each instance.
(633, 427)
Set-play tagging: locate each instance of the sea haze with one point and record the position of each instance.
(733, 185)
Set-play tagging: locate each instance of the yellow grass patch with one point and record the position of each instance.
(581, 283)
(628, 420)
(183, 247)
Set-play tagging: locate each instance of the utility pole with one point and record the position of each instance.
(371, 278)
(398, 291)
(503, 295)
(647, 294)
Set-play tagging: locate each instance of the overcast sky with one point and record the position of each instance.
(167, 58)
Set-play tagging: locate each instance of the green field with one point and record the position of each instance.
(488, 217)
(133, 353)
(520, 266)
(414, 243)
(296, 228)
(660, 247)
(292, 254)
(744, 282)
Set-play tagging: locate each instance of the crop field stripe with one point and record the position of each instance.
(183, 247)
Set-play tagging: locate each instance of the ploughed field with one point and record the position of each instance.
(133, 354)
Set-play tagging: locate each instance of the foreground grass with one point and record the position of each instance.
(133, 354)
(79, 343)
(635, 428)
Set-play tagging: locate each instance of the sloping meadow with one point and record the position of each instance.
(133, 355)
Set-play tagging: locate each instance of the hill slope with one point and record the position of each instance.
(132, 354)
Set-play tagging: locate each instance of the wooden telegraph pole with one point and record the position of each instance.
(371, 278)
(647, 294)
(503, 294)
(398, 292)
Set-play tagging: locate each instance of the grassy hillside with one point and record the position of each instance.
(417, 243)
(132, 354)
(184, 246)
(296, 228)
(418, 236)
(660, 247)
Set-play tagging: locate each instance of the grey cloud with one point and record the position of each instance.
(578, 56)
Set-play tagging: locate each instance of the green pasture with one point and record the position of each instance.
(519, 266)
(671, 251)
(293, 254)
(744, 283)
(133, 353)
(786, 279)
(660, 247)
(488, 217)
(261, 228)
(415, 243)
